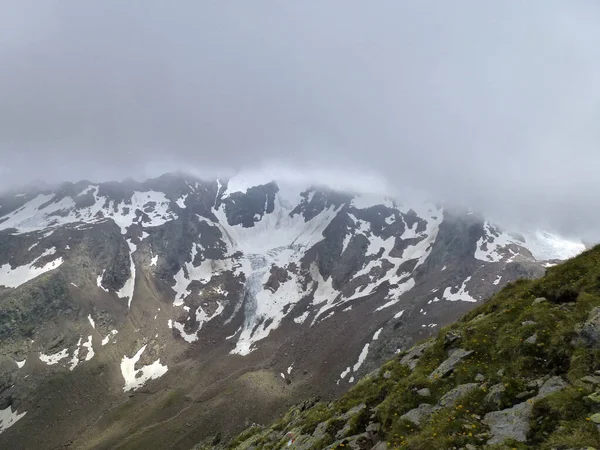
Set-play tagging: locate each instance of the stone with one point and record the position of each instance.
(357, 442)
(380, 446)
(347, 416)
(551, 385)
(414, 354)
(531, 339)
(511, 423)
(525, 394)
(595, 397)
(451, 337)
(419, 414)
(448, 366)
(321, 430)
(353, 411)
(590, 332)
(591, 379)
(373, 427)
(537, 383)
(425, 392)
(480, 377)
(528, 322)
(387, 375)
(500, 373)
(470, 447)
(451, 397)
(539, 300)
(495, 394)
(595, 418)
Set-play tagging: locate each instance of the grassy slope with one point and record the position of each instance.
(496, 334)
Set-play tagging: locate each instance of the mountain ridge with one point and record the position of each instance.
(283, 290)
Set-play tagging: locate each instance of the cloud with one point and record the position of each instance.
(490, 104)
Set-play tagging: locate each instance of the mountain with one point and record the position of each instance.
(519, 372)
(149, 314)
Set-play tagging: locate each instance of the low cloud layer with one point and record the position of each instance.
(495, 105)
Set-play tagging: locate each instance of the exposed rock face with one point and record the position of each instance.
(206, 286)
(417, 415)
(511, 423)
(590, 332)
(448, 366)
(450, 398)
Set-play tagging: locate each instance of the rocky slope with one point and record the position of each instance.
(179, 304)
(520, 372)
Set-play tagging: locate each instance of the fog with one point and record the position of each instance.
(491, 105)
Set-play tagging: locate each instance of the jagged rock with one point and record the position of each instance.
(524, 394)
(590, 332)
(594, 398)
(552, 385)
(348, 416)
(479, 377)
(424, 392)
(417, 415)
(537, 383)
(511, 423)
(591, 379)
(451, 337)
(353, 411)
(321, 430)
(448, 366)
(539, 300)
(358, 442)
(414, 354)
(451, 397)
(495, 394)
(373, 427)
(380, 446)
(531, 339)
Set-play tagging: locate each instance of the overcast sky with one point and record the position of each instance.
(494, 104)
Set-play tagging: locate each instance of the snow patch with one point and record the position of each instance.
(54, 358)
(92, 323)
(107, 338)
(8, 418)
(136, 378)
(398, 314)
(14, 278)
(460, 295)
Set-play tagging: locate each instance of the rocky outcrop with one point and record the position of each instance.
(448, 365)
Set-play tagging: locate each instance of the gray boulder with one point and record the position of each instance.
(590, 332)
(552, 385)
(531, 339)
(451, 397)
(414, 354)
(425, 392)
(494, 395)
(511, 423)
(419, 414)
(448, 366)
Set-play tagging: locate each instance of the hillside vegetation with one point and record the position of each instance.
(522, 371)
